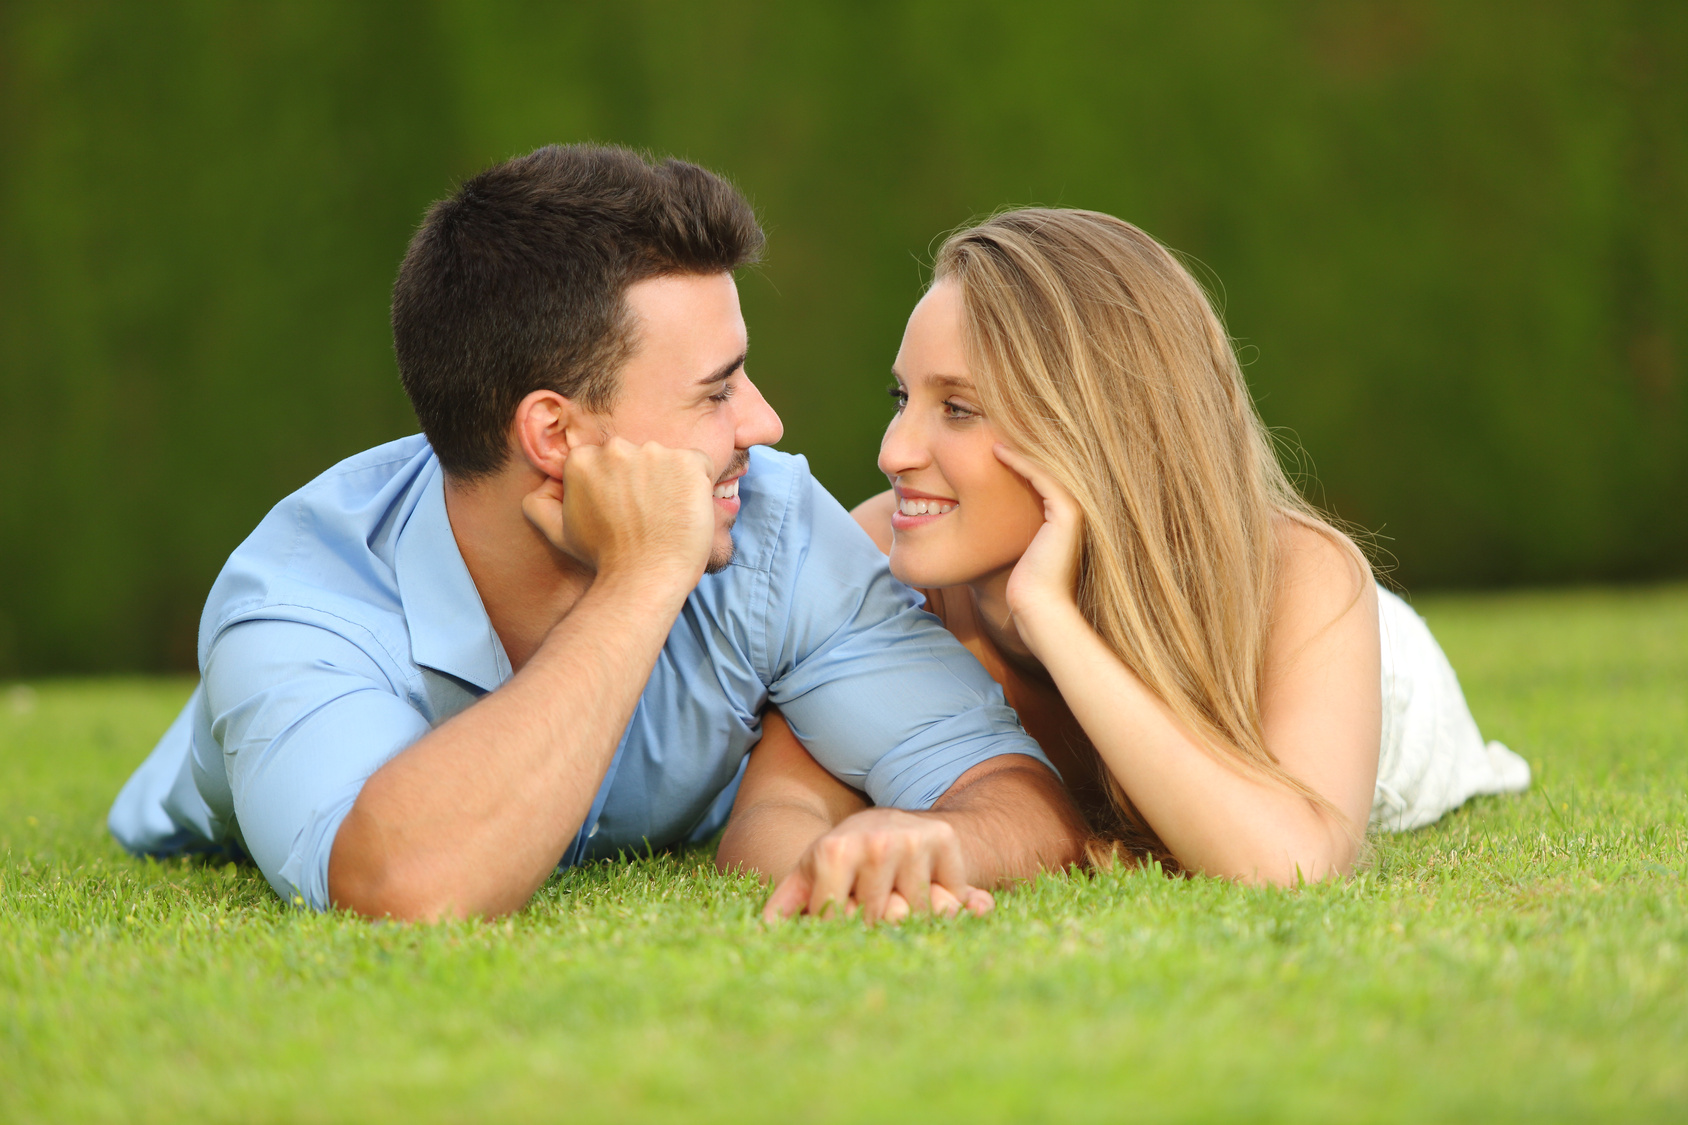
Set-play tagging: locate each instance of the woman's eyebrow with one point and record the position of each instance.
(957, 382)
(953, 382)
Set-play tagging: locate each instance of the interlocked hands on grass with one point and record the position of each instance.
(884, 864)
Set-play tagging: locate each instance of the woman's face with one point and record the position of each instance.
(963, 517)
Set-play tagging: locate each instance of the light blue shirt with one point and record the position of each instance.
(347, 626)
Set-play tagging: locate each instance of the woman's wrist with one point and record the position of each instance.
(1042, 622)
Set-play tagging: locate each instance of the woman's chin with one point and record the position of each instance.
(923, 573)
(905, 572)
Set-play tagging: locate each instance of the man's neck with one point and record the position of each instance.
(526, 585)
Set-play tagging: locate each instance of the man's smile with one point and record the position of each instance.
(726, 485)
(726, 496)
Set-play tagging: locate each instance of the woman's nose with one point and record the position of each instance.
(903, 448)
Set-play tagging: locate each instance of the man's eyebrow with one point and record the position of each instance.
(725, 371)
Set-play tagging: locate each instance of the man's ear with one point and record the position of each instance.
(547, 426)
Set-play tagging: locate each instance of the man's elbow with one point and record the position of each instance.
(365, 878)
(381, 894)
(383, 899)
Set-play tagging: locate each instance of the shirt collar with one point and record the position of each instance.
(449, 629)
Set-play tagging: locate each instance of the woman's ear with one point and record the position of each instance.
(543, 423)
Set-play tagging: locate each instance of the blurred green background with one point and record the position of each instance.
(1451, 238)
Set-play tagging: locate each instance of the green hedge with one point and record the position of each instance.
(1453, 240)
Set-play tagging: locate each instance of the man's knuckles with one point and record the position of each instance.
(836, 852)
(943, 832)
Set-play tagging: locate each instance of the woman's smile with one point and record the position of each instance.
(917, 509)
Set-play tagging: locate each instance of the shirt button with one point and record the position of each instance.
(594, 830)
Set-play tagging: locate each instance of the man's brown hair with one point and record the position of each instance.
(518, 283)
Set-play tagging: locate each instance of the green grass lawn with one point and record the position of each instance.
(1527, 959)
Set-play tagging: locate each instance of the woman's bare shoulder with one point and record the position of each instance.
(1320, 694)
(874, 514)
(1322, 578)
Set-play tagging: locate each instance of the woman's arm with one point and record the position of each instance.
(784, 803)
(1320, 707)
(796, 825)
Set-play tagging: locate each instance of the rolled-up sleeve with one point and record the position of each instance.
(304, 717)
(884, 697)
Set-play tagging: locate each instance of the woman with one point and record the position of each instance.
(1086, 494)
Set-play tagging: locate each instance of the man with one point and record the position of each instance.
(544, 631)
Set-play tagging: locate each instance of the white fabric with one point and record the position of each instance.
(1432, 759)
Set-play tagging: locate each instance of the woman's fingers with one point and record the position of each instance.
(949, 867)
(914, 879)
(1047, 574)
(790, 897)
(945, 904)
(1020, 464)
(883, 865)
(834, 859)
(876, 877)
(1059, 507)
(1047, 486)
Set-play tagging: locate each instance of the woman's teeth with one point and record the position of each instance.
(924, 507)
(727, 491)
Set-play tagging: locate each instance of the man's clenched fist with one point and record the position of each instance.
(628, 509)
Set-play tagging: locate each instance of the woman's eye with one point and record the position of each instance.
(899, 394)
(958, 411)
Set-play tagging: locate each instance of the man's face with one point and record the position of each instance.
(685, 386)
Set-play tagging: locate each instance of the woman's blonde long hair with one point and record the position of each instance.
(1099, 357)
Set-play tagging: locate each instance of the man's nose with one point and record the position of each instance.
(757, 422)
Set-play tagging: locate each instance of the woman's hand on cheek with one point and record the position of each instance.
(1046, 577)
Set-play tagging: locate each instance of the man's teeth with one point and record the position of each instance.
(727, 491)
(924, 507)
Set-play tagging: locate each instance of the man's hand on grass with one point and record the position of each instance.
(884, 864)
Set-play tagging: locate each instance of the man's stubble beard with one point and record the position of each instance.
(720, 559)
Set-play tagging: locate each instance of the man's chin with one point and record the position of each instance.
(719, 559)
(721, 555)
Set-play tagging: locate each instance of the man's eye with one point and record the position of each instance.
(725, 393)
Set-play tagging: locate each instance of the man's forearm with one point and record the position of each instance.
(1013, 818)
(474, 816)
